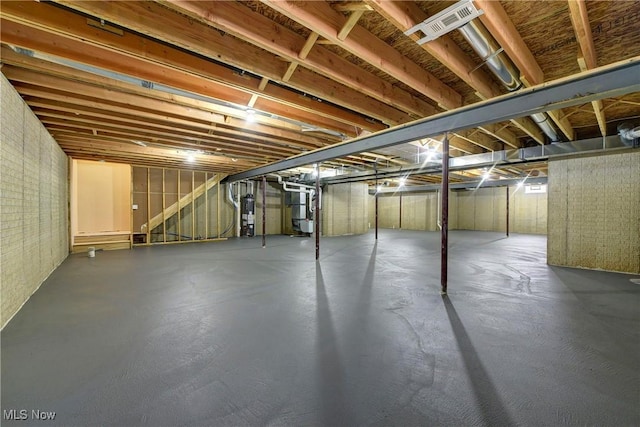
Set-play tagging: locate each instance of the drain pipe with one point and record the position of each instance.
(501, 66)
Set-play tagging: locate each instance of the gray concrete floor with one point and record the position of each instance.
(229, 333)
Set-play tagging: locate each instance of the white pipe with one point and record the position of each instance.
(238, 218)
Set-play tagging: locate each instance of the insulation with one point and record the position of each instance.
(33, 203)
(595, 206)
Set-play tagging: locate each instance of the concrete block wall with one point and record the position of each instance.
(345, 209)
(594, 211)
(34, 225)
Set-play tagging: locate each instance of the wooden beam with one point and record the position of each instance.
(209, 143)
(480, 139)
(502, 134)
(501, 27)
(159, 62)
(587, 58)
(405, 15)
(351, 6)
(563, 124)
(361, 91)
(230, 117)
(497, 21)
(132, 104)
(308, 45)
(582, 29)
(351, 22)
(319, 17)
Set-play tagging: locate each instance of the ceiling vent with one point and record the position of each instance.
(448, 20)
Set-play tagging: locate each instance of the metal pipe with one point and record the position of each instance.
(501, 66)
(445, 215)
(317, 215)
(507, 187)
(604, 82)
(264, 211)
(491, 54)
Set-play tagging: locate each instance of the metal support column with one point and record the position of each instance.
(400, 213)
(445, 213)
(317, 212)
(264, 211)
(376, 195)
(507, 211)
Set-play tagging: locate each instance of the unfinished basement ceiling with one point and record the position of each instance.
(228, 86)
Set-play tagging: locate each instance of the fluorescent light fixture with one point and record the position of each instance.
(140, 143)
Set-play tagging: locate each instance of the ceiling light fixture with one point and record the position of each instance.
(140, 143)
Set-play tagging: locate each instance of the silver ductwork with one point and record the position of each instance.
(628, 132)
(492, 54)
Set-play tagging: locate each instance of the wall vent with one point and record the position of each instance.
(448, 20)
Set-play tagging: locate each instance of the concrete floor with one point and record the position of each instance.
(228, 333)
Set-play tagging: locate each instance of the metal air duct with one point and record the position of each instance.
(491, 54)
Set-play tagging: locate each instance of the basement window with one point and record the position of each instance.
(535, 188)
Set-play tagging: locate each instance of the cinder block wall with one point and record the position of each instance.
(594, 212)
(33, 202)
(345, 209)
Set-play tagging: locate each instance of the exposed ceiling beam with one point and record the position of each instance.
(194, 113)
(613, 80)
(232, 18)
(405, 15)
(159, 22)
(176, 28)
(587, 58)
(497, 21)
(75, 50)
(319, 17)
